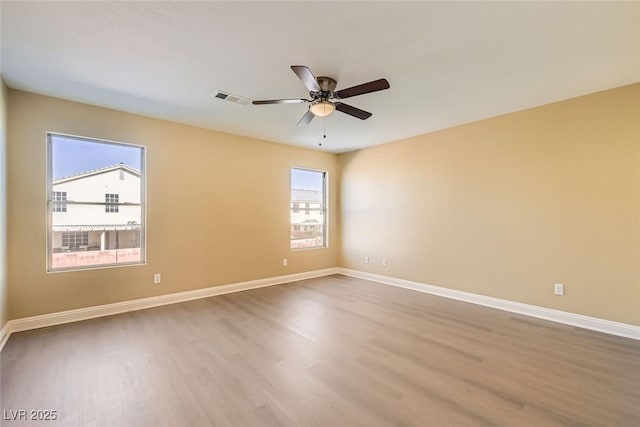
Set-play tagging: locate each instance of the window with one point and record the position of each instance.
(308, 229)
(60, 196)
(96, 203)
(111, 202)
(75, 239)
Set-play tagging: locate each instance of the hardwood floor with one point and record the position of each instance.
(334, 351)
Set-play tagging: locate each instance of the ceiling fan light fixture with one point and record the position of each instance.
(322, 108)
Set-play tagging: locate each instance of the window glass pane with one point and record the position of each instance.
(111, 202)
(60, 196)
(308, 226)
(102, 185)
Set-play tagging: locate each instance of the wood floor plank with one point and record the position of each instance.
(331, 351)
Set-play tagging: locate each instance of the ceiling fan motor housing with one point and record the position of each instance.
(327, 86)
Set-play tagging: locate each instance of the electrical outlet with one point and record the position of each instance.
(284, 262)
(558, 289)
(384, 262)
(366, 260)
(157, 278)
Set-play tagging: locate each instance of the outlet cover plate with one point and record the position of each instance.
(558, 289)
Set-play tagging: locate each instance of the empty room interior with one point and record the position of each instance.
(320, 213)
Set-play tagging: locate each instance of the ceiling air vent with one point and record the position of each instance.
(225, 96)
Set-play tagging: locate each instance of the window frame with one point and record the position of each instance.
(324, 208)
(49, 203)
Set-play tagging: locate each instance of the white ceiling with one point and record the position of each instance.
(448, 63)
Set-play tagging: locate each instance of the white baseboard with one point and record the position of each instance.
(593, 323)
(51, 319)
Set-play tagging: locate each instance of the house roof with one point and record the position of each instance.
(95, 227)
(97, 172)
(298, 195)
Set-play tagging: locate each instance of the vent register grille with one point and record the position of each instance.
(225, 96)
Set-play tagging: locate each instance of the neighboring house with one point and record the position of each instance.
(104, 224)
(307, 220)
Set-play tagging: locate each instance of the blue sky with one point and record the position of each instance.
(306, 180)
(72, 156)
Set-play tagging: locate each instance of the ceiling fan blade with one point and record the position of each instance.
(352, 111)
(306, 118)
(279, 101)
(307, 77)
(373, 86)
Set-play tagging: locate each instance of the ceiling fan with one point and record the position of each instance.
(324, 98)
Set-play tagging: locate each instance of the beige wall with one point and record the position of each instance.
(508, 206)
(218, 207)
(4, 299)
(503, 207)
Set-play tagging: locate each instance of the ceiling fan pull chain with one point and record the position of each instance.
(324, 131)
